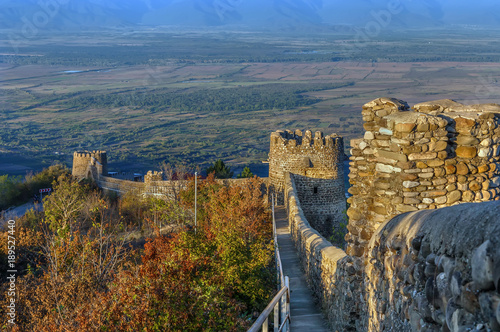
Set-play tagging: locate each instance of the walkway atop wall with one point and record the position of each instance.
(305, 314)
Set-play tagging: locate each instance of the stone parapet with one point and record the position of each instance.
(333, 277)
(436, 270)
(438, 154)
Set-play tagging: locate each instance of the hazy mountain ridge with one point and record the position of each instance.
(69, 14)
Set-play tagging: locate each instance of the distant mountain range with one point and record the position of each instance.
(266, 14)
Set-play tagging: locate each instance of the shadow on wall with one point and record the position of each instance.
(426, 270)
(437, 268)
(323, 202)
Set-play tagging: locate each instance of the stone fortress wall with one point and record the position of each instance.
(335, 278)
(436, 270)
(416, 259)
(315, 163)
(413, 262)
(90, 164)
(438, 154)
(93, 165)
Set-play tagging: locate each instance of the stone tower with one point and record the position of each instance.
(90, 164)
(316, 164)
(437, 154)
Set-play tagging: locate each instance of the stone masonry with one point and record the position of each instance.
(436, 270)
(437, 154)
(335, 279)
(414, 263)
(90, 164)
(315, 163)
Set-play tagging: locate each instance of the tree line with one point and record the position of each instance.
(236, 99)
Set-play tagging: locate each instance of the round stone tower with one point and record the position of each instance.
(316, 165)
(90, 164)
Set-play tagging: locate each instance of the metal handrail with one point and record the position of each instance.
(279, 266)
(264, 316)
(282, 299)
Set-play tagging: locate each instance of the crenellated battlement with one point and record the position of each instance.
(296, 140)
(153, 176)
(315, 163)
(90, 164)
(88, 154)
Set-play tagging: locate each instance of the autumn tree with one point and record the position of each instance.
(63, 207)
(86, 279)
(75, 264)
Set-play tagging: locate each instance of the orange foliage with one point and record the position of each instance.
(213, 279)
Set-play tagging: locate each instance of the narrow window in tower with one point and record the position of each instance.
(315, 190)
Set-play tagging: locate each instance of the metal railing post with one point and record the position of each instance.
(287, 303)
(281, 301)
(283, 306)
(276, 317)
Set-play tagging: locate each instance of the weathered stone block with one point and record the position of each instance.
(385, 131)
(404, 127)
(406, 208)
(485, 152)
(369, 135)
(464, 125)
(421, 164)
(411, 200)
(410, 184)
(462, 169)
(475, 186)
(483, 168)
(466, 151)
(435, 162)
(442, 154)
(391, 155)
(412, 149)
(468, 196)
(439, 172)
(387, 168)
(467, 140)
(423, 127)
(422, 156)
(438, 146)
(434, 193)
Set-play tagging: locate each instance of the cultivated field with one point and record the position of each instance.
(202, 99)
